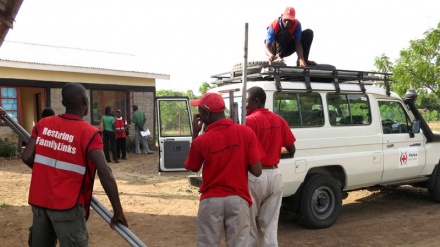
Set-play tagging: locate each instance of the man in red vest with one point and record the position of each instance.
(65, 152)
(285, 37)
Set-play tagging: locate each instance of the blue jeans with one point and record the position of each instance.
(137, 135)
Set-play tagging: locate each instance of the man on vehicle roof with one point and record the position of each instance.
(285, 37)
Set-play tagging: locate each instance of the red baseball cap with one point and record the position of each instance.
(289, 14)
(212, 102)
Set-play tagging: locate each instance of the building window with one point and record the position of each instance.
(103, 98)
(9, 101)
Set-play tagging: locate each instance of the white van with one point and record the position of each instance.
(352, 133)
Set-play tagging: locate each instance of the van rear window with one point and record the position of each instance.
(306, 109)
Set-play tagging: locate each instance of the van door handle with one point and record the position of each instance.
(415, 144)
(390, 145)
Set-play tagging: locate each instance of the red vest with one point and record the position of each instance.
(120, 125)
(275, 25)
(62, 177)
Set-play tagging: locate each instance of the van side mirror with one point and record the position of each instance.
(416, 127)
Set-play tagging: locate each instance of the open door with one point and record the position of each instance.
(174, 132)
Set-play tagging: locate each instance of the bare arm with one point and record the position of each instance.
(29, 152)
(256, 169)
(109, 184)
(270, 52)
(291, 149)
(299, 52)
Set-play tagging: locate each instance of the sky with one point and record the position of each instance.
(194, 39)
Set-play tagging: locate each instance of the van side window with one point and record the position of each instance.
(394, 118)
(348, 109)
(299, 109)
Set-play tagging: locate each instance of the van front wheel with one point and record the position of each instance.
(321, 202)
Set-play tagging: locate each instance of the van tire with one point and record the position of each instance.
(434, 185)
(320, 203)
(237, 69)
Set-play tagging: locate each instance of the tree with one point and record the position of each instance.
(205, 87)
(171, 93)
(174, 118)
(418, 66)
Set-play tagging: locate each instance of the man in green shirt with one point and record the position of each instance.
(139, 119)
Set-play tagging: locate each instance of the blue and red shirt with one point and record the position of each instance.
(225, 150)
(277, 25)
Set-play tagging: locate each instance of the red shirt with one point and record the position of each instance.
(61, 178)
(273, 133)
(226, 150)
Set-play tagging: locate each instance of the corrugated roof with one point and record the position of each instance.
(46, 57)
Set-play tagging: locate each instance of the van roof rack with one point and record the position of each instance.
(279, 73)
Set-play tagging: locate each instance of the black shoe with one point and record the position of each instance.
(125, 158)
(109, 161)
(116, 161)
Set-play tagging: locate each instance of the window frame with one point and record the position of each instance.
(17, 99)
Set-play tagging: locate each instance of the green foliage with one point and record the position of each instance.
(131, 146)
(171, 93)
(174, 114)
(418, 65)
(7, 148)
(205, 87)
(431, 115)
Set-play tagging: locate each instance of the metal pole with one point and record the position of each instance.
(121, 229)
(243, 90)
(125, 233)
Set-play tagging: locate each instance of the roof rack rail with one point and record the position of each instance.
(279, 73)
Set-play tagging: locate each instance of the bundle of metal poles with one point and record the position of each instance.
(125, 233)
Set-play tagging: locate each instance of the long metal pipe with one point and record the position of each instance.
(245, 63)
(125, 233)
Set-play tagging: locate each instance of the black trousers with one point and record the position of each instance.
(109, 139)
(121, 147)
(284, 48)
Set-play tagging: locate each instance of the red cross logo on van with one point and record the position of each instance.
(403, 158)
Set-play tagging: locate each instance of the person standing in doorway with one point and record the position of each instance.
(109, 136)
(60, 194)
(139, 119)
(121, 140)
(47, 112)
(267, 190)
(227, 151)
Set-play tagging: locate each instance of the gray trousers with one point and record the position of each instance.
(216, 214)
(267, 193)
(137, 135)
(68, 226)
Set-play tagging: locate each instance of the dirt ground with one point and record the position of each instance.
(161, 211)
